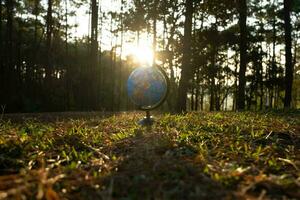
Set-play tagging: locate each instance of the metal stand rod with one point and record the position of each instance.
(148, 120)
(148, 115)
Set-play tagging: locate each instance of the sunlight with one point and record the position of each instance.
(143, 54)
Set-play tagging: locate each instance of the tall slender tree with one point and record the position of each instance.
(242, 8)
(1, 44)
(186, 67)
(49, 32)
(94, 32)
(1, 55)
(9, 55)
(288, 54)
(1, 39)
(94, 56)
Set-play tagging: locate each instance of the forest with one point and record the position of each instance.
(220, 77)
(218, 55)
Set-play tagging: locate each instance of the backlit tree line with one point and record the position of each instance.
(218, 54)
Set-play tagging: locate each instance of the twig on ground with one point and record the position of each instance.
(289, 162)
(97, 151)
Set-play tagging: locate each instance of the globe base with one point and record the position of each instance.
(146, 121)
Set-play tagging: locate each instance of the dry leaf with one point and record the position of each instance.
(51, 194)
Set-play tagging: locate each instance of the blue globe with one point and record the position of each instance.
(147, 87)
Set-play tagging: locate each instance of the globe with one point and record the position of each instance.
(147, 87)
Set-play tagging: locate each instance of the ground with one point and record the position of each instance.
(217, 155)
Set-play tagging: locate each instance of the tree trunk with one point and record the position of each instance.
(172, 94)
(192, 96)
(49, 25)
(101, 67)
(9, 33)
(273, 68)
(1, 39)
(295, 95)
(261, 94)
(66, 27)
(212, 95)
(121, 86)
(113, 82)
(234, 101)
(18, 79)
(154, 33)
(197, 89)
(69, 92)
(202, 99)
(197, 98)
(94, 57)
(30, 74)
(243, 54)
(186, 68)
(213, 92)
(36, 7)
(288, 54)
(8, 58)
(112, 70)
(1, 56)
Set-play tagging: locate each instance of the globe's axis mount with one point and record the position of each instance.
(147, 88)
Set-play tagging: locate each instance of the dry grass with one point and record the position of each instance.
(193, 156)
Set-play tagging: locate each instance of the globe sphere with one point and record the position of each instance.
(147, 87)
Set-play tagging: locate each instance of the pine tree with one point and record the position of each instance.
(186, 67)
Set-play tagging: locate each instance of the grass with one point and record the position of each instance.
(193, 156)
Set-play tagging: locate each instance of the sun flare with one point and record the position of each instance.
(143, 55)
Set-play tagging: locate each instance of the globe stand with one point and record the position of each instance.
(147, 121)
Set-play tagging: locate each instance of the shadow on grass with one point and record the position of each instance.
(151, 166)
(115, 159)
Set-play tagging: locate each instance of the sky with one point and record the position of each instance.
(143, 53)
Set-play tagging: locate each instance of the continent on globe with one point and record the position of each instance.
(147, 87)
